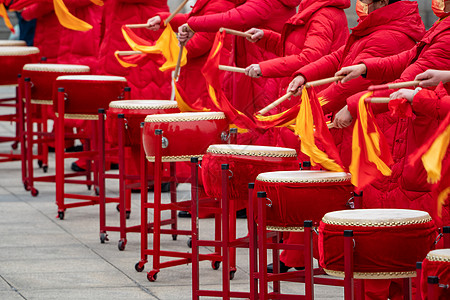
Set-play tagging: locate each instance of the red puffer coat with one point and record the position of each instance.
(146, 82)
(245, 93)
(407, 186)
(78, 47)
(48, 30)
(198, 48)
(386, 31)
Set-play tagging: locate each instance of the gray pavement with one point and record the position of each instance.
(42, 257)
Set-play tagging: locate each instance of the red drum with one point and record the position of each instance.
(437, 263)
(187, 134)
(135, 112)
(388, 242)
(245, 162)
(87, 93)
(12, 43)
(12, 60)
(296, 196)
(43, 77)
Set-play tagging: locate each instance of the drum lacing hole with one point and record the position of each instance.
(438, 238)
(231, 176)
(165, 142)
(125, 123)
(350, 202)
(270, 204)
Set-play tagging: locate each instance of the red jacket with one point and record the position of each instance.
(407, 186)
(245, 93)
(77, 47)
(146, 82)
(48, 29)
(191, 79)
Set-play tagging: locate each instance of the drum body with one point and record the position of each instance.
(12, 43)
(296, 196)
(12, 60)
(43, 77)
(388, 242)
(85, 94)
(437, 263)
(134, 112)
(187, 134)
(245, 163)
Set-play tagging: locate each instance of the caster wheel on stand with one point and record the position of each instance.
(232, 274)
(189, 243)
(45, 169)
(34, 192)
(174, 237)
(26, 186)
(215, 265)
(127, 214)
(15, 145)
(40, 163)
(61, 215)
(121, 245)
(138, 267)
(152, 276)
(103, 237)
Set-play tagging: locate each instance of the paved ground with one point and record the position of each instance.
(42, 257)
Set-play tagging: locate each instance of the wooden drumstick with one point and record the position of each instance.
(307, 85)
(378, 99)
(122, 53)
(330, 125)
(177, 10)
(136, 25)
(235, 32)
(231, 69)
(391, 86)
(274, 103)
(177, 67)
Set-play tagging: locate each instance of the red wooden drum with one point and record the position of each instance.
(135, 112)
(43, 77)
(296, 196)
(388, 242)
(12, 60)
(188, 134)
(437, 263)
(87, 93)
(12, 43)
(245, 162)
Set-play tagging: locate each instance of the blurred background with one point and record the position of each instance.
(424, 6)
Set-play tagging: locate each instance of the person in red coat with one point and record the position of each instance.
(146, 82)
(247, 94)
(191, 79)
(407, 187)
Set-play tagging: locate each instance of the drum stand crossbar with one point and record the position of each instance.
(155, 229)
(92, 169)
(14, 117)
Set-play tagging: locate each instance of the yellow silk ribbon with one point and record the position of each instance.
(432, 159)
(68, 20)
(5, 17)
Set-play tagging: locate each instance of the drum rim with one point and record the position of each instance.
(345, 178)
(284, 152)
(437, 255)
(125, 104)
(174, 158)
(373, 275)
(47, 68)
(18, 51)
(188, 117)
(99, 78)
(13, 43)
(347, 221)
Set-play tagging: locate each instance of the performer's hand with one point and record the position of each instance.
(343, 118)
(351, 72)
(433, 77)
(256, 33)
(184, 33)
(296, 85)
(253, 71)
(407, 94)
(154, 23)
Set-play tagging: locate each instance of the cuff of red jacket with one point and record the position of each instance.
(163, 15)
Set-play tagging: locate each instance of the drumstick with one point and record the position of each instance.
(307, 85)
(177, 68)
(391, 86)
(378, 99)
(172, 15)
(235, 32)
(136, 25)
(330, 125)
(122, 53)
(274, 103)
(231, 69)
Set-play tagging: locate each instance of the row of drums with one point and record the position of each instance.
(294, 195)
